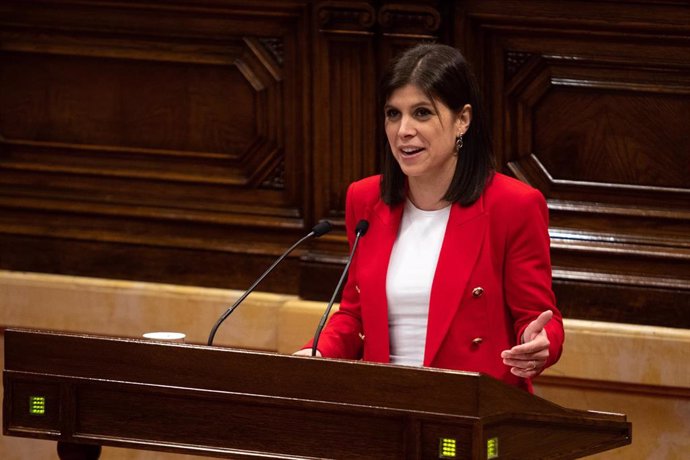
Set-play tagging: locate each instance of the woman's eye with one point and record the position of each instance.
(423, 112)
(392, 113)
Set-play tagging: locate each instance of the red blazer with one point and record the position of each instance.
(492, 279)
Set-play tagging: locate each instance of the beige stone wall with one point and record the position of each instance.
(636, 370)
(130, 309)
(640, 371)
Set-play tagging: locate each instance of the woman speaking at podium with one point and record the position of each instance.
(454, 271)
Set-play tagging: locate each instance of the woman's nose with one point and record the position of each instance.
(407, 128)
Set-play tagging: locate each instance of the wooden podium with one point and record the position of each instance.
(86, 391)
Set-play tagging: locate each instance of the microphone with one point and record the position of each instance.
(360, 230)
(319, 229)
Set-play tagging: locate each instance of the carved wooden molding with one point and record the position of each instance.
(276, 178)
(397, 19)
(275, 46)
(547, 76)
(409, 19)
(513, 62)
(531, 170)
(348, 16)
(230, 167)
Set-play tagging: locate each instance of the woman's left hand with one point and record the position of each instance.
(528, 359)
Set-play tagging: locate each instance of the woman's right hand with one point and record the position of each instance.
(306, 352)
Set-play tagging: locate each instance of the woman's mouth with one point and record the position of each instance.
(408, 151)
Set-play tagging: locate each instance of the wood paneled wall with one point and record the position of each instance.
(193, 141)
(154, 140)
(591, 104)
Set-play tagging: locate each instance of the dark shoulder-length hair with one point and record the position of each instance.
(442, 73)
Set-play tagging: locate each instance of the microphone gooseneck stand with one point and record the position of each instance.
(319, 229)
(360, 230)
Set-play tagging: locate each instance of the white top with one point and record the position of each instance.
(408, 282)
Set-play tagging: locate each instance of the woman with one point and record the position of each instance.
(454, 271)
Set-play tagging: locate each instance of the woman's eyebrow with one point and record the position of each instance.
(414, 106)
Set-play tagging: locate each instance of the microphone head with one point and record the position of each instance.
(321, 228)
(362, 227)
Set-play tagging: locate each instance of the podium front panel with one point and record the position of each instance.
(86, 390)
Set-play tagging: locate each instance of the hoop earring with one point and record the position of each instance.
(458, 144)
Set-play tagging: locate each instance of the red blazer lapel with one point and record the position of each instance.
(376, 249)
(461, 246)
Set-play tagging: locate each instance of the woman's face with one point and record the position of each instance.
(422, 134)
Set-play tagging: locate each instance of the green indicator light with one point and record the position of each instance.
(492, 448)
(447, 448)
(37, 405)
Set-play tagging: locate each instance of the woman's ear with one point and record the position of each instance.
(464, 119)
